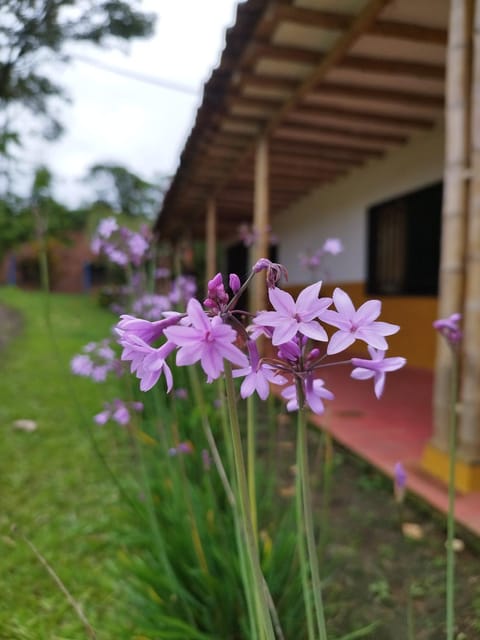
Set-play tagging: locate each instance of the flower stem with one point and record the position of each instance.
(265, 626)
(302, 554)
(452, 449)
(251, 465)
(306, 509)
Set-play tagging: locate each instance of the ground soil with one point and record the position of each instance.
(373, 572)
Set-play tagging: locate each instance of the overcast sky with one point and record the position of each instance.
(117, 119)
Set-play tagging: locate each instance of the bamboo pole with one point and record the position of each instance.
(455, 200)
(469, 433)
(260, 247)
(211, 239)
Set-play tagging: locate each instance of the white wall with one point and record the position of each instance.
(340, 210)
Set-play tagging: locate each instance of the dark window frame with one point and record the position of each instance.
(404, 235)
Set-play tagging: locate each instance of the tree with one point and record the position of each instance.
(124, 191)
(34, 33)
(20, 217)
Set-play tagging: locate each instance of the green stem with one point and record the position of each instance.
(302, 550)
(252, 493)
(452, 449)
(262, 605)
(306, 502)
(200, 402)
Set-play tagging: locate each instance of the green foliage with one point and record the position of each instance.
(185, 575)
(124, 191)
(34, 33)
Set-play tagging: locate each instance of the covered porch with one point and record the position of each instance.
(318, 110)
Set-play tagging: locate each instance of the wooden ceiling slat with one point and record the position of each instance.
(408, 98)
(359, 134)
(355, 62)
(279, 160)
(395, 67)
(361, 116)
(339, 22)
(316, 150)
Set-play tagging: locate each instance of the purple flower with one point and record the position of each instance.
(275, 271)
(147, 363)
(356, 324)
(102, 417)
(96, 362)
(375, 368)
(81, 365)
(400, 481)
(234, 282)
(449, 328)
(333, 246)
(314, 391)
(257, 375)
(400, 475)
(206, 340)
(144, 329)
(290, 317)
(118, 411)
(182, 447)
(106, 227)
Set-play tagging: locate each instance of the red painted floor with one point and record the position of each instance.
(394, 428)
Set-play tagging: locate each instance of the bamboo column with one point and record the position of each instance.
(261, 216)
(211, 239)
(469, 433)
(455, 199)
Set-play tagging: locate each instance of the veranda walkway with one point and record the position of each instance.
(395, 428)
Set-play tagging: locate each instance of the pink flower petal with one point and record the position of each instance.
(282, 301)
(313, 330)
(197, 315)
(343, 304)
(308, 297)
(284, 332)
(340, 341)
(368, 312)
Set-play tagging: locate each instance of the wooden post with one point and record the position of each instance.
(261, 217)
(469, 432)
(455, 200)
(211, 239)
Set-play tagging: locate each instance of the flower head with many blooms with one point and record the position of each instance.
(295, 330)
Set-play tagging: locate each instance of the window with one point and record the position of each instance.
(404, 243)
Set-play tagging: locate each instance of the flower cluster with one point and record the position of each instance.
(118, 411)
(97, 361)
(121, 245)
(213, 335)
(313, 260)
(249, 235)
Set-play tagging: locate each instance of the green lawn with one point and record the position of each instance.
(54, 490)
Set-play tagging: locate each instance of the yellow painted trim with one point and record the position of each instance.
(467, 475)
